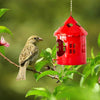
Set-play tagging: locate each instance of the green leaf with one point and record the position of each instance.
(92, 53)
(2, 11)
(40, 64)
(36, 75)
(70, 76)
(39, 60)
(97, 69)
(99, 40)
(97, 58)
(43, 89)
(46, 55)
(72, 71)
(87, 71)
(4, 29)
(82, 81)
(37, 93)
(94, 63)
(89, 60)
(47, 73)
(54, 50)
(59, 89)
(49, 50)
(76, 67)
(2, 50)
(67, 67)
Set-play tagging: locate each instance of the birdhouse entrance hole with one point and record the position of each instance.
(69, 24)
(61, 47)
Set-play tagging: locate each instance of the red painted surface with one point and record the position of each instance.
(71, 38)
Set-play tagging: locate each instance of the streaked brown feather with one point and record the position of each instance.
(28, 52)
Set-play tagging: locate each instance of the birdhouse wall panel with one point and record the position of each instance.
(83, 46)
(72, 52)
(77, 60)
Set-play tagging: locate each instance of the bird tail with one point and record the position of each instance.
(22, 72)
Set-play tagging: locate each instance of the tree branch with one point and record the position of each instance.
(34, 71)
(8, 60)
(53, 69)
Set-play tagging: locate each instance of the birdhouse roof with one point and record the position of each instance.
(71, 28)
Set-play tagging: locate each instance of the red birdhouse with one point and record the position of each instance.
(71, 40)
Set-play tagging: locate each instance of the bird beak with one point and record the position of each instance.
(40, 39)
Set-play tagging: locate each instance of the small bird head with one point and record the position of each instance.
(34, 39)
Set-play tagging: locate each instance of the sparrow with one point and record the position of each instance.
(28, 56)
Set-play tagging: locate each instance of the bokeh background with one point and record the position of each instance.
(41, 17)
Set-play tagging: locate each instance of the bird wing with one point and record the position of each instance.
(27, 53)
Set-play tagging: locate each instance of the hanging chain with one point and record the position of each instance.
(70, 7)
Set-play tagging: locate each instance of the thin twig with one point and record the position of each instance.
(34, 71)
(53, 69)
(53, 77)
(8, 60)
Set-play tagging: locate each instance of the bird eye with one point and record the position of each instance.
(35, 38)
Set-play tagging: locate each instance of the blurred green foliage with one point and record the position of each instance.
(43, 17)
(69, 89)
